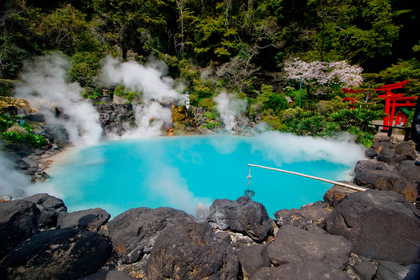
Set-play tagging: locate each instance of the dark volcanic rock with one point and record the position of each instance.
(57, 131)
(363, 165)
(18, 220)
(365, 270)
(243, 215)
(253, 258)
(294, 245)
(311, 214)
(380, 225)
(386, 180)
(308, 269)
(91, 219)
(337, 193)
(371, 153)
(67, 253)
(191, 251)
(225, 236)
(387, 155)
(391, 271)
(134, 232)
(410, 171)
(35, 117)
(50, 207)
(108, 275)
(407, 150)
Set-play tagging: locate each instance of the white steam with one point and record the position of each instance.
(44, 82)
(230, 108)
(287, 148)
(155, 87)
(16, 184)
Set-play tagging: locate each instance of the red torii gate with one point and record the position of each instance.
(393, 100)
(351, 99)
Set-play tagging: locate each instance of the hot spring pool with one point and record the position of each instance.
(180, 172)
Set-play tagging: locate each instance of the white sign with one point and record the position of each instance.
(187, 104)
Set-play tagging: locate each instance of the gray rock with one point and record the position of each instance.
(57, 131)
(108, 275)
(35, 117)
(225, 236)
(386, 180)
(391, 271)
(380, 224)
(243, 215)
(387, 155)
(133, 233)
(363, 165)
(294, 245)
(309, 269)
(19, 220)
(365, 270)
(191, 251)
(67, 253)
(252, 258)
(371, 153)
(410, 171)
(337, 193)
(91, 219)
(50, 207)
(407, 150)
(311, 214)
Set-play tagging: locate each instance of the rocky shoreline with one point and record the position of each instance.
(350, 235)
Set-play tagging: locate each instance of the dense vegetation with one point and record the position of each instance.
(238, 46)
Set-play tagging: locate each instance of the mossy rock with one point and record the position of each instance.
(183, 117)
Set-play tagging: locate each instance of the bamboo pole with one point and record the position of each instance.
(360, 189)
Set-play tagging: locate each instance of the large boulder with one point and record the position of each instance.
(406, 149)
(380, 224)
(243, 215)
(363, 165)
(252, 259)
(50, 207)
(387, 155)
(134, 232)
(385, 180)
(91, 219)
(337, 193)
(311, 214)
(57, 131)
(19, 220)
(410, 171)
(308, 269)
(294, 245)
(67, 253)
(191, 251)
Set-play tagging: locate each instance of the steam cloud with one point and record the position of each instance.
(290, 148)
(15, 184)
(150, 81)
(44, 82)
(230, 108)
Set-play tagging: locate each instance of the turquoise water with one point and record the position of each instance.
(180, 172)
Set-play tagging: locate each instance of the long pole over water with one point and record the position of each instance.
(360, 189)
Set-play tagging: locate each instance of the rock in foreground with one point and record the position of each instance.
(191, 251)
(18, 221)
(67, 253)
(380, 224)
(294, 245)
(243, 215)
(134, 232)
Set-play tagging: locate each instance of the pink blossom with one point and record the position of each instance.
(324, 73)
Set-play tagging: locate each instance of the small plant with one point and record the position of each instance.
(210, 125)
(100, 103)
(17, 129)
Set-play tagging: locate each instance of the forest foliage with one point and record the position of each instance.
(239, 46)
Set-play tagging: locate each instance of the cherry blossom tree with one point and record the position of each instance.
(323, 74)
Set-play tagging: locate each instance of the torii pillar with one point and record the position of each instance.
(388, 96)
